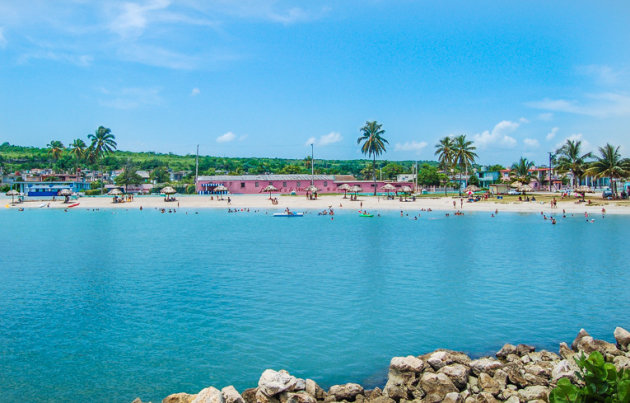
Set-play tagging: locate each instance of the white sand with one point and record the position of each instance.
(369, 203)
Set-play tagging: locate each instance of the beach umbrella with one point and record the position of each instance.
(388, 187)
(405, 189)
(220, 188)
(312, 189)
(516, 184)
(12, 193)
(525, 189)
(115, 192)
(345, 187)
(355, 189)
(168, 190)
(582, 190)
(472, 188)
(65, 192)
(270, 188)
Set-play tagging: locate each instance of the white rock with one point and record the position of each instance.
(209, 395)
(487, 365)
(273, 382)
(231, 395)
(623, 338)
(407, 364)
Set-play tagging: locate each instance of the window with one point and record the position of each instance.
(284, 184)
(325, 183)
(297, 184)
(256, 184)
(242, 185)
(270, 182)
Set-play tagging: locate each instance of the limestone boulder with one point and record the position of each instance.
(488, 384)
(209, 395)
(436, 386)
(300, 397)
(272, 382)
(231, 395)
(382, 399)
(587, 345)
(581, 334)
(564, 369)
(458, 373)
(407, 364)
(621, 362)
(348, 392)
(566, 352)
(313, 389)
(623, 338)
(487, 365)
(442, 357)
(506, 350)
(523, 349)
(534, 393)
(249, 395)
(453, 397)
(179, 398)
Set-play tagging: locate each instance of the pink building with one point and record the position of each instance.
(252, 184)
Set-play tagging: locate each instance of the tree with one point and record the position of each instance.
(520, 171)
(78, 150)
(473, 179)
(103, 143)
(291, 169)
(495, 168)
(373, 143)
(160, 175)
(428, 175)
(55, 149)
(464, 153)
(609, 164)
(445, 152)
(392, 170)
(129, 176)
(571, 159)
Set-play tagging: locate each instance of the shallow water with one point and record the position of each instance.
(111, 305)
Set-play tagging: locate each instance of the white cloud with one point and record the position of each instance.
(532, 143)
(498, 136)
(552, 133)
(586, 146)
(195, 91)
(601, 73)
(3, 39)
(243, 137)
(326, 139)
(523, 120)
(133, 18)
(600, 105)
(226, 138)
(411, 146)
(547, 116)
(130, 98)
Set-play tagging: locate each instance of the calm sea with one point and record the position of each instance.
(107, 306)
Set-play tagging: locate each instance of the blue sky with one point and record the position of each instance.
(265, 77)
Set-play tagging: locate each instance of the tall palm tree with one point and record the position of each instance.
(55, 149)
(102, 143)
(609, 164)
(519, 171)
(373, 143)
(571, 159)
(78, 150)
(464, 154)
(445, 152)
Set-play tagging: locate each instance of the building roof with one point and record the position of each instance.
(262, 178)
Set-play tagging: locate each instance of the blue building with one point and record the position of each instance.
(50, 189)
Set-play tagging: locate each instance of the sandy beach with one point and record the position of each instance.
(338, 203)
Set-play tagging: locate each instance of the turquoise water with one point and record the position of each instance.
(107, 306)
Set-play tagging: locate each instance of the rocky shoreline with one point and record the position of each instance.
(516, 374)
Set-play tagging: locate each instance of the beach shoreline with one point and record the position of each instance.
(338, 203)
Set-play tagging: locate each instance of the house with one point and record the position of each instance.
(50, 188)
(178, 176)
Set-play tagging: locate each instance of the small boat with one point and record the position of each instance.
(42, 205)
(73, 205)
(366, 215)
(288, 215)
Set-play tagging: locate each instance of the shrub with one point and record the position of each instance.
(93, 192)
(602, 383)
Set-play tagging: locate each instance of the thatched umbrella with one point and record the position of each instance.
(472, 188)
(168, 191)
(406, 190)
(388, 187)
(66, 193)
(516, 184)
(345, 187)
(525, 189)
(583, 190)
(115, 192)
(220, 188)
(12, 193)
(355, 189)
(270, 189)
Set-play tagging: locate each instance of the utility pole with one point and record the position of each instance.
(550, 154)
(197, 168)
(416, 177)
(312, 166)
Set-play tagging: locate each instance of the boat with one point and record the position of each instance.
(288, 215)
(73, 205)
(366, 215)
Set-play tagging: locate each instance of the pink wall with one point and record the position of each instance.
(325, 186)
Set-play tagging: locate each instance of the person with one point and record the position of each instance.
(229, 200)
(461, 203)
(454, 204)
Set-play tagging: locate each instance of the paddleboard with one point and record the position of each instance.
(288, 215)
(73, 205)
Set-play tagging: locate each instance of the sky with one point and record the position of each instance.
(267, 78)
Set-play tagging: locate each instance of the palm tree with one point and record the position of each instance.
(55, 149)
(445, 152)
(78, 150)
(103, 143)
(570, 159)
(373, 143)
(609, 165)
(520, 171)
(464, 154)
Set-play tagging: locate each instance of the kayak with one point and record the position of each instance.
(73, 205)
(288, 215)
(366, 215)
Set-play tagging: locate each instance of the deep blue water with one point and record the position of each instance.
(107, 306)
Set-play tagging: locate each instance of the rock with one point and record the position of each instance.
(587, 344)
(442, 357)
(137, 400)
(349, 391)
(564, 369)
(453, 397)
(506, 350)
(623, 338)
(300, 397)
(566, 352)
(407, 364)
(249, 395)
(179, 398)
(538, 370)
(314, 390)
(582, 333)
(621, 362)
(272, 383)
(381, 399)
(488, 384)
(263, 398)
(209, 395)
(500, 377)
(458, 374)
(515, 375)
(395, 391)
(436, 386)
(487, 365)
(485, 397)
(523, 349)
(231, 395)
(373, 394)
(535, 380)
(534, 393)
(512, 399)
